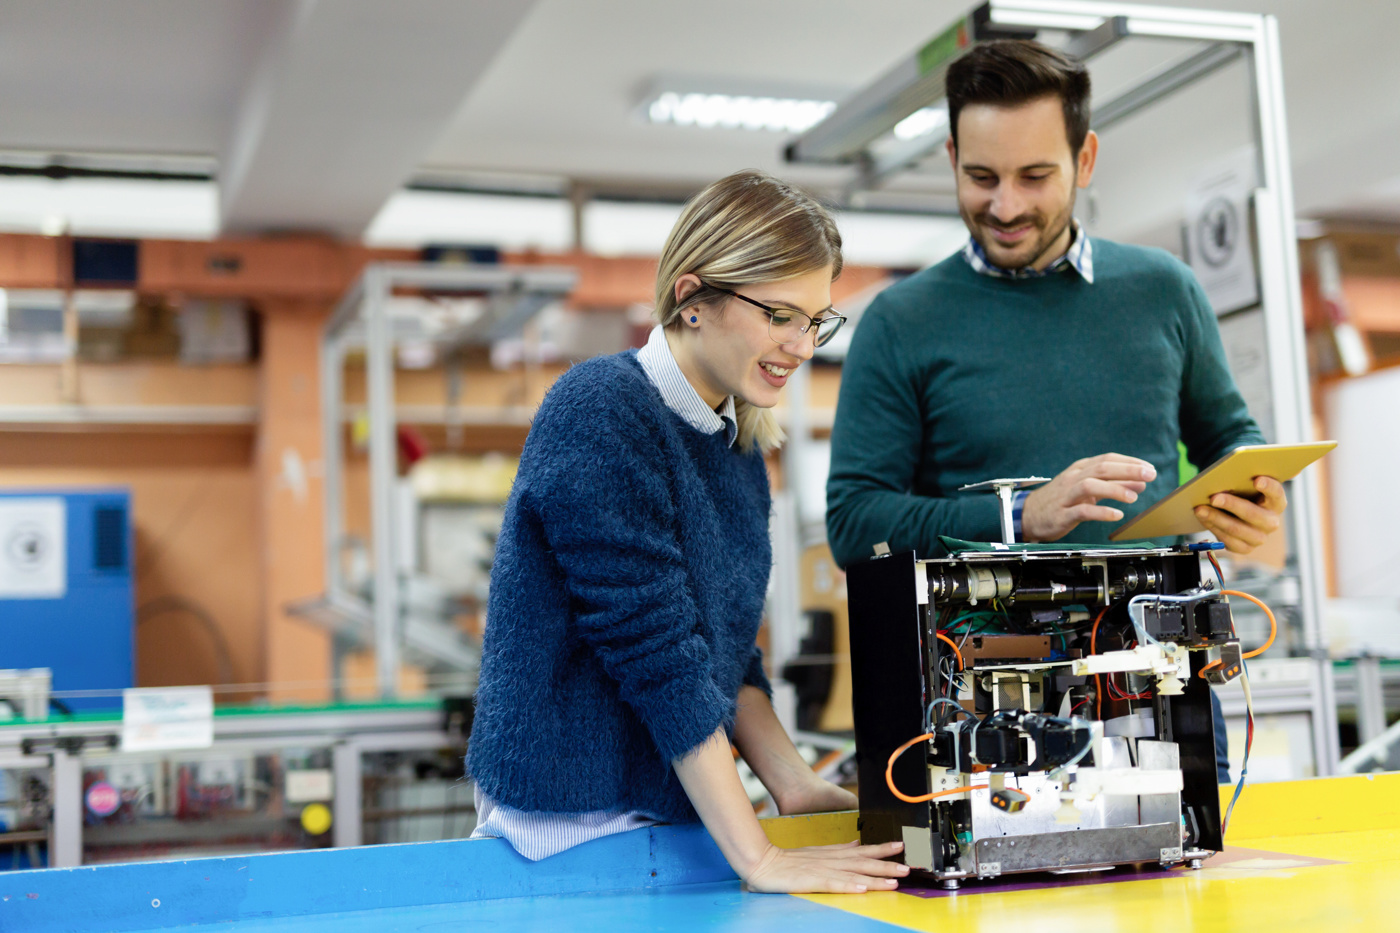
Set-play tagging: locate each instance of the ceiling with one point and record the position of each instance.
(316, 112)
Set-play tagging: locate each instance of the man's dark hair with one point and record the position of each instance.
(1008, 72)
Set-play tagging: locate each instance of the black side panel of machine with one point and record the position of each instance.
(888, 692)
(1193, 729)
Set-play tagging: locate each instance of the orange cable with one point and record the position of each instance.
(1273, 628)
(952, 644)
(1273, 623)
(889, 775)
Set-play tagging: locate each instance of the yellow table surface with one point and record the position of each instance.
(1324, 855)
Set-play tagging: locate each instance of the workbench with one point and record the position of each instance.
(1306, 855)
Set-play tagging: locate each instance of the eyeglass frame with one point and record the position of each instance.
(812, 322)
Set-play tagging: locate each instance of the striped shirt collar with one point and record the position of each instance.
(679, 395)
(1079, 257)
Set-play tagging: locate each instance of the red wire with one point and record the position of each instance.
(1093, 649)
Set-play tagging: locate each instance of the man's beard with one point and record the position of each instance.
(1047, 232)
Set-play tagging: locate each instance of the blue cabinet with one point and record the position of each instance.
(66, 589)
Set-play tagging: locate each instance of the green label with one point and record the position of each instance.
(943, 46)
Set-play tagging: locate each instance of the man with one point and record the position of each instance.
(1036, 351)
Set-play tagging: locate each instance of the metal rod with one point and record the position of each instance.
(1086, 45)
(66, 837)
(346, 826)
(383, 465)
(915, 82)
(1281, 290)
(1167, 81)
(332, 363)
(1007, 497)
(878, 168)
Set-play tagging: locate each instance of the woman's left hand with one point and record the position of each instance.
(815, 796)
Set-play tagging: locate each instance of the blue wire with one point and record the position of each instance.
(1244, 765)
(1215, 564)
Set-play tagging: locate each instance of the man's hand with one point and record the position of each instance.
(1239, 524)
(815, 795)
(1053, 510)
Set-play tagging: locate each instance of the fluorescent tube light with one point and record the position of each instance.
(729, 111)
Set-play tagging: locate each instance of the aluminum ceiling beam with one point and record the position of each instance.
(876, 168)
(1167, 81)
(845, 137)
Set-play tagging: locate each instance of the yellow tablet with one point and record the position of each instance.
(1232, 473)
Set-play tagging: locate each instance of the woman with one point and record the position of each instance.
(631, 568)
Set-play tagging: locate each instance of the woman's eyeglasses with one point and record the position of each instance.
(788, 326)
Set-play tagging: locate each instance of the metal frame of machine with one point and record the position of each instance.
(362, 320)
(1210, 41)
(64, 749)
(1074, 732)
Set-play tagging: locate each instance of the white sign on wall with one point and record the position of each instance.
(33, 548)
(162, 718)
(1219, 235)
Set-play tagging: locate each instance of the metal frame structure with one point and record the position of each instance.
(847, 135)
(362, 320)
(61, 747)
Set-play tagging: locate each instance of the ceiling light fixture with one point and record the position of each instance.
(921, 123)
(728, 111)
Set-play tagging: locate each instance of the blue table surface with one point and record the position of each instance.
(720, 906)
(659, 878)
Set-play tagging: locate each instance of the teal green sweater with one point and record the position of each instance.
(954, 377)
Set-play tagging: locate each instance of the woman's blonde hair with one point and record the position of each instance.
(746, 229)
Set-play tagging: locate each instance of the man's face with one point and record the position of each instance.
(1016, 180)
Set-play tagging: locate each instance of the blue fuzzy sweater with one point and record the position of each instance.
(625, 597)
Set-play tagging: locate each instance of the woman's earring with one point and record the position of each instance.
(693, 319)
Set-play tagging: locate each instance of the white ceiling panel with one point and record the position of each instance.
(126, 75)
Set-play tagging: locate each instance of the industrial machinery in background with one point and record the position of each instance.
(272, 779)
(66, 592)
(1034, 708)
(394, 593)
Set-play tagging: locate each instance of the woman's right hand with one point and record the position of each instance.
(850, 868)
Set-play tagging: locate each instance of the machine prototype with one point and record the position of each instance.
(1026, 709)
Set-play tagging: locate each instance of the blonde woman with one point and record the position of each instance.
(631, 568)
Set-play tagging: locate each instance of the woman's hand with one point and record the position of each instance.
(844, 869)
(814, 795)
(711, 782)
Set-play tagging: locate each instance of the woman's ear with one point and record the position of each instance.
(686, 286)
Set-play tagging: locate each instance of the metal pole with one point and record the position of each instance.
(1281, 290)
(383, 468)
(347, 826)
(66, 832)
(332, 456)
(785, 615)
(1370, 699)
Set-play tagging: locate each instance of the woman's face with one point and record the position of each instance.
(729, 346)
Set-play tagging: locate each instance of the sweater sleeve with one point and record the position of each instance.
(608, 512)
(1213, 416)
(876, 445)
(755, 675)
